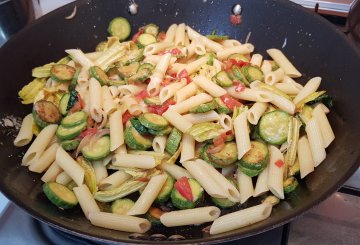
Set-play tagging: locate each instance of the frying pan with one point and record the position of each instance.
(314, 46)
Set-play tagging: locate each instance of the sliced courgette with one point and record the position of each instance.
(224, 202)
(129, 70)
(152, 100)
(165, 131)
(204, 155)
(136, 141)
(97, 73)
(143, 73)
(69, 145)
(252, 73)
(62, 73)
(74, 119)
(257, 157)
(146, 39)
(205, 107)
(173, 141)
(74, 80)
(238, 57)
(64, 133)
(60, 195)
(239, 76)
(290, 184)
(90, 177)
(63, 104)
(221, 107)
(223, 79)
(153, 121)
(122, 206)
(165, 191)
(274, 127)
(138, 126)
(205, 131)
(181, 202)
(45, 113)
(119, 27)
(98, 150)
(151, 29)
(225, 157)
(153, 215)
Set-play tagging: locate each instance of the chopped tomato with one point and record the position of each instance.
(235, 19)
(239, 63)
(227, 65)
(239, 86)
(81, 101)
(142, 94)
(126, 117)
(76, 107)
(136, 35)
(89, 122)
(174, 52)
(161, 36)
(161, 109)
(219, 142)
(184, 74)
(89, 131)
(182, 185)
(143, 179)
(230, 102)
(279, 163)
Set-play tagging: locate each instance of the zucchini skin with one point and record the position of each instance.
(252, 73)
(153, 121)
(74, 119)
(257, 158)
(97, 73)
(223, 79)
(181, 203)
(69, 145)
(50, 189)
(122, 206)
(205, 107)
(63, 104)
(132, 140)
(226, 156)
(62, 73)
(93, 154)
(249, 172)
(165, 191)
(162, 132)
(64, 133)
(221, 107)
(290, 184)
(173, 141)
(138, 126)
(205, 157)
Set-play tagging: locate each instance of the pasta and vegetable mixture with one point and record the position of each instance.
(166, 119)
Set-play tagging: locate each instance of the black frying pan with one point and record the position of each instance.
(313, 45)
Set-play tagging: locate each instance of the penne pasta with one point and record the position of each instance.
(210, 87)
(170, 90)
(261, 183)
(306, 161)
(116, 130)
(95, 96)
(276, 172)
(310, 87)
(316, 142)
(242, 135)
(70, 166)
(245, 186)
(51, 173)
(108, 103)
(250, 95)
(326, 131)
(177, 120)
(283, 62)
(155, 48)
(86, 200)
(192, 102)
(170, 33)
(210, 116)
(188, 148)
(174, 170)
(100, 171)
(226, 122)
(180, 35)
(246, 48)
(185, 92)
(114, 180)
(156, 78)
(63, 178)
(133, 161)
(159, 143)
(256, 111)
(256, 60)
(194, 66)
(274, 77)
(45, 160)
(25, 134)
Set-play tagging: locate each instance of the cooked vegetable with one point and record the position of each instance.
(153, 215)
(238, 57)
(309, 99)
(138, 126)
(42, 71)
(90, 177)
(274, 65)
(223, 79)
(187, 193)
(305, 114)
(135, 140)
(290, 184)
(256, 158)
(62, 73)
(101, 46)
(205, 107)
(239, 75)
(69, 145)
(224, 202)
(74, 80)
(293, 138)
(98, 150)
(165, 131)
(153, 121)
(63, 104)
(123, 190)
(274, 127)
(324, 98)
(252, 73)
(274, 90)
(74, 119)
(45, 112)
(72, 100)
(225, 157)
(151, 29)
(273, 200)
(173, 141)
(119, 27)
(165, 191)
(294, 169)
(97, 73)
(249, 172)
(205, 131)
(60, 195)
(134, 55)
(143, 73)
(152, 100)
(64, 133)
(217, 38)
(146, 39)
(221, 107)
(29, 91)
(128, 70)
(122, 206)
(204, 155)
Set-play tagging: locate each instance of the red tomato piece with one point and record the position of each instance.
(161, 36)
(142, 94)
(126, 117)
(230, 102)
(239, 86)
(279, 163)
(184, 74)
(136, 35)
(235, 19)
(89, 131)
(182, 185)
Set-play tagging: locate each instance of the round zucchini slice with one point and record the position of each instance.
(69, 145)
(153, 121)
(64, 133)
(204, 155)
(135, 140)
(181, 202)
(60, 195)
(45, 113)
(225, 157)
(119, 27)
(224, 202)
(256, 158)
(249, 172)
(63, 104)
(62, 73)
(122, 206)
(99, 150)
(165, 191)
(97, 73)
(274, 127)
(74, 119)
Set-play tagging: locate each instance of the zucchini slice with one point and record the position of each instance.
(135, 140)
(122, 206)
(138, 126)
(97, 151)
(143, 73)
(90, 177)
(274, 127)
(252, 73)
(146, 39)
(62, 73)
(204, 155)
(74, 80)
(119, 27)
(153, 121)
(205, 131)
(165, 131)
(223, 79)
(63, 104)
(129, 70)
(290, 184)
(45, 113)
(60, 195)
(224, 202)
(249, 172)
(256, 158)
(151, 29)
(274, 65)
(97, 73)
(74, 119)
(238, 74)
(152, 100)
(153, 215)
(64, 133)
(225, 157)
(238, 57)
(181, 202)
(205, 107)
(173, 141)
(69, 145)
(221, 107)
(165, 191)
